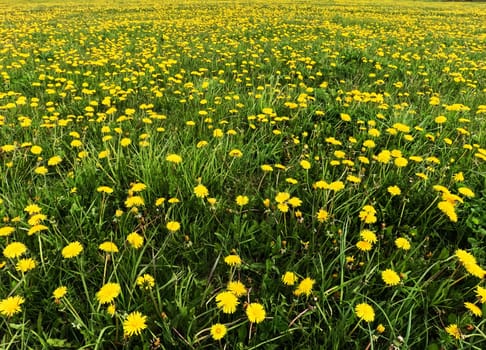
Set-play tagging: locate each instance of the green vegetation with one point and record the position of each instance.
(273, 175)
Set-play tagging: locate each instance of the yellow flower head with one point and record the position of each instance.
(135, 240)
(233, 260)
(59, 292)
(255, 312)
(14, 250)
(11, 305)
(475, 310)
(305, 287)
(135, 323)
(72, 250)
(173, 226)
(24, 265)
(174, 158)
(289, 278)
(108, 293)
(402, 243)
(227, 301)
(237, 288)
(390, 277)
(218, 331)
(108, 247)
(454, 330)
(365, 312)
(201, 191)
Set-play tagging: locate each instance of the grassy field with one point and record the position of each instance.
(242, 175)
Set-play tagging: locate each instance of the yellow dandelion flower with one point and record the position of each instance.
(233, 260)
(36, 219)
(72, 250)
(336, 186)
(134, 201)
(41, 170)
(201, 191)
(380, 328)
(59, 292)
(135, 240)
(322, 215)
(108, 247)
(365, 312)
(402, 243)
(105, 189)
(173, 226)
(236, 153)
(227, 301)
(305, 287)
(218, 331)
(464, 257)
(11, 305)
(6, 231)
(255, 312)
(237, 288)
(174, 158)
(135, 323)
(394, 190)
(466, 192)
(305, 164)
(266, 168)
(390, 277)
(295, 202)
(146, 281)
(474, 309)
(36, 150)
(242, 200)
(289, 278)
(108, 292)
(14, 250)
(55, 160)
(368, 236)
(25, 265)
(281, 197)
(111, 310)
(36, 228)
(364, 246)
(454, 330)
(481, 294)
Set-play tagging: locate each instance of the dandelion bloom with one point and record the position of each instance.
(305, 287)
(25, 265)
(108, 247)
(55, 160)
(237, 288)
(266, 168)
(465, 191)
(289, 278)
(6, 231)
(111, 309)
(146, 281)
(14, 250)
(72, 250)
(365, 312)
(105, 189)
(336, 186)
(227, 301)
(174, 158)
(390, 277)
(282, 197)
(135, 240)
(11, 305)
(59, 292)
(402, 243)
(380, 328)
(464, 257)
(447, 208)
(135, 323)
(236, 153)
(36, 150)
(218, 331)
(368, 236)
(481, 294)
(173, 226)
(453, 330)
(475, 310)
(242, 200)
(201, 191)
(394, 190)
(255, 312)
(108, 293)
(134, 201)
(305, 164)
(364, 246)
(233, 260)
(322, 215)
(367, 214)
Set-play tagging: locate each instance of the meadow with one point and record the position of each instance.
(242, 175)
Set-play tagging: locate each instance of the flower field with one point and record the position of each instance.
(242, 175)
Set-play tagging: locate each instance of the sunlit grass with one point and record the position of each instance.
(242, 175)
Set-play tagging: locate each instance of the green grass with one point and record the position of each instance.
(276, 83)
